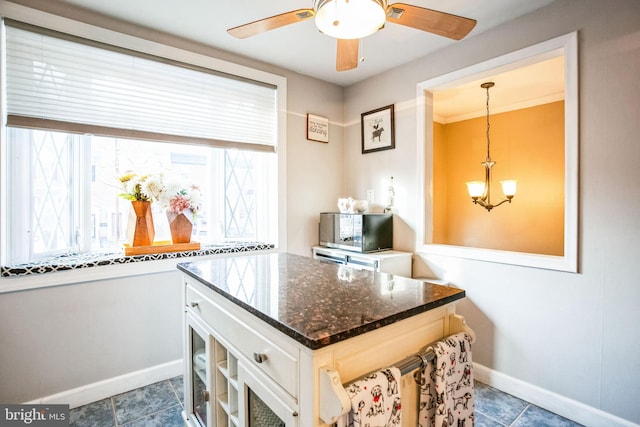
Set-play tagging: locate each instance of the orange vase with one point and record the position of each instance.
(140, 231)
(180, 227)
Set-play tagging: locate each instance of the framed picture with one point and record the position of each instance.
(317, 128)
(378, 130)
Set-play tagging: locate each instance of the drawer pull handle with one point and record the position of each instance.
(193, 304)
(259, 357)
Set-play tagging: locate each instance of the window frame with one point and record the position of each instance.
(78, 206)
(277, 214)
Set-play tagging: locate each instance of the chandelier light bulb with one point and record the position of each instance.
(475, 188)
(509, 187)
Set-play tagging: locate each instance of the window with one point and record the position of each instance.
(56, 177)
(73, 130)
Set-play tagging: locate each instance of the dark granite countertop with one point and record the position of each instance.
(314, 302)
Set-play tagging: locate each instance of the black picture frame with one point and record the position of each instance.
(378, 129)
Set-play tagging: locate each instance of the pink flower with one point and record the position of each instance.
(179, 204)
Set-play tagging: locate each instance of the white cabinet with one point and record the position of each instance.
(391, 262)
(211, 380)
(252, 372)
(236, 374)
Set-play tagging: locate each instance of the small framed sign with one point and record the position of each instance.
(378, 130)
(317, 128)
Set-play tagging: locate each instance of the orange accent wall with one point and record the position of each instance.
(527, 145)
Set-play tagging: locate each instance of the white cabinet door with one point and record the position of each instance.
(263, 403)
(198, 383)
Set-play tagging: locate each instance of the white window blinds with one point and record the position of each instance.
(61, 83)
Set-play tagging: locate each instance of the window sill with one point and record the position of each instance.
(115, 264)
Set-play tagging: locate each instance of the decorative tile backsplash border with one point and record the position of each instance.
(88, 260)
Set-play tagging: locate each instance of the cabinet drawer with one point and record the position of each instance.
(251, 339)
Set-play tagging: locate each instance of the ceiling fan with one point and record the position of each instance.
(350, 20)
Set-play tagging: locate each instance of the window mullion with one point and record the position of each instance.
(20, 196)
(82, 190)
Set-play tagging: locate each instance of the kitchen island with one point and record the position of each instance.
(260, 328)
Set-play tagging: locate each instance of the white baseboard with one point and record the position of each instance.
(102, 389)
(568, 408)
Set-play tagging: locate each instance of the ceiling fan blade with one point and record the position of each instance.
(433, 21)
(347, 55)
(271, 23)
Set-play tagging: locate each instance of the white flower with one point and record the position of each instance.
(170, 194)
(196, 198)
(152, 187)
(130, 186)
(171, 188)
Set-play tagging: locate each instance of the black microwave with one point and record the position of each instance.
(358, 232)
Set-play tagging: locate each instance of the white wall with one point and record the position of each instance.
(315, 170)
(60, 338)
(575, 335)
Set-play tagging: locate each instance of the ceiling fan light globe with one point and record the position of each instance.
(355, 18)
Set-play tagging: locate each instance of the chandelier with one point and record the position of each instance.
(480, 191)
(350, 19)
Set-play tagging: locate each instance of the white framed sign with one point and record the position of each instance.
(317, 128)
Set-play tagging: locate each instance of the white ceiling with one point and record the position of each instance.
(301, 47)
(523, 87)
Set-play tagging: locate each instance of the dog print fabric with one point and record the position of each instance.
(375, 400)
(446, 385)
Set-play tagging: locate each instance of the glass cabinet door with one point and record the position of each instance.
(259, 413)
(262, 403)
(197, 386)
(199, 377)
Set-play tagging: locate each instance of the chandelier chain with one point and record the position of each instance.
(488, 128)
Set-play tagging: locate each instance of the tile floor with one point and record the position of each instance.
(160, 405)
(497, 409)
(156, 405)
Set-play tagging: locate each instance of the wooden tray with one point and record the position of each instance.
(159, 247)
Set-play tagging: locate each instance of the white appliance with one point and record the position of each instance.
(391, 262)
